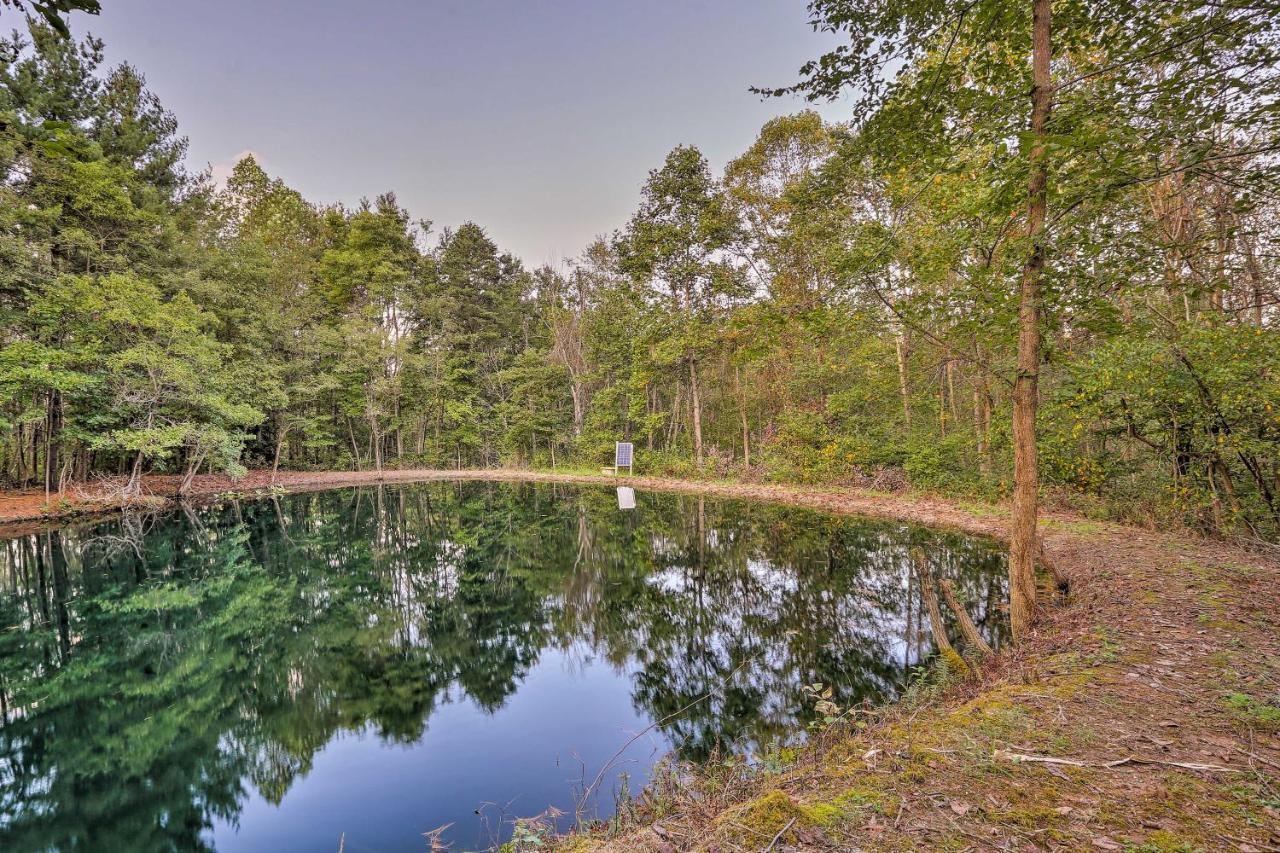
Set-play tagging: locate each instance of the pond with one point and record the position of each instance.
(371, 664)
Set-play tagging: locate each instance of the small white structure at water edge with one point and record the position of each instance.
(623, 454)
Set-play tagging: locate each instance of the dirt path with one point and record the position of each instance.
(1166, 659)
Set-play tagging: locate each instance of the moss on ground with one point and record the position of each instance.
(769, 816)
(1254, 712)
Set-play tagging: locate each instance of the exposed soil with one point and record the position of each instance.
(1166, 654)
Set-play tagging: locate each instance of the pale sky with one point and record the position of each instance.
(537, 120)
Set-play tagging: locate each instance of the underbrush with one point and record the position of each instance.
(941, 468)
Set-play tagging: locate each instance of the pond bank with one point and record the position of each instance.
(30, 506)
(1155, 692)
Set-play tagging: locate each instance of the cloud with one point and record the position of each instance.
(221, 170)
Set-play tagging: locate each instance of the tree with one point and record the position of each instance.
(259, 277)
(91, 184)
(766, 184)
(53, 12)
(148, 381)
(951, 71)
(473, 326)
(676, 243)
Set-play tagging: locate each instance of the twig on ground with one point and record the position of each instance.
(981, 842)
(1257, 845)
(778, 837)
(1022, 757)
(1257, 757)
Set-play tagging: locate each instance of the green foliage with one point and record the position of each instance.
(1255, 712)
(1202, 394)
(940, 463)
(804, 449)
(840, 307)
(141, 377)
(54, 11)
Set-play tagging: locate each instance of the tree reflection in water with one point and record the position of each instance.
(150, 677)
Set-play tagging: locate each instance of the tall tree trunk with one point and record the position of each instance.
(742, 415)
(981, 424)
(355, 449)
(1023, 542)
(399, 439)
(375, 445)
(1223, 473)
(904, 388)
(53, 444)
(19, 456)
(576, 391)
(135, 476)
(1255, 278)
(673, 424)
(695, 403)
(193, 465)
(275, 460)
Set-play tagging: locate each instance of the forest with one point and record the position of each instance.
(1069, 262)
(954, 396)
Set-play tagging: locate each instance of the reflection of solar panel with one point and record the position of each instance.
(622, 454)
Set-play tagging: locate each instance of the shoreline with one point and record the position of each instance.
(22, 509)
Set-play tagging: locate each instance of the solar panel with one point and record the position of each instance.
(622, 454)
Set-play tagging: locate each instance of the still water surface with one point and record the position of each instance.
(369, 664)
